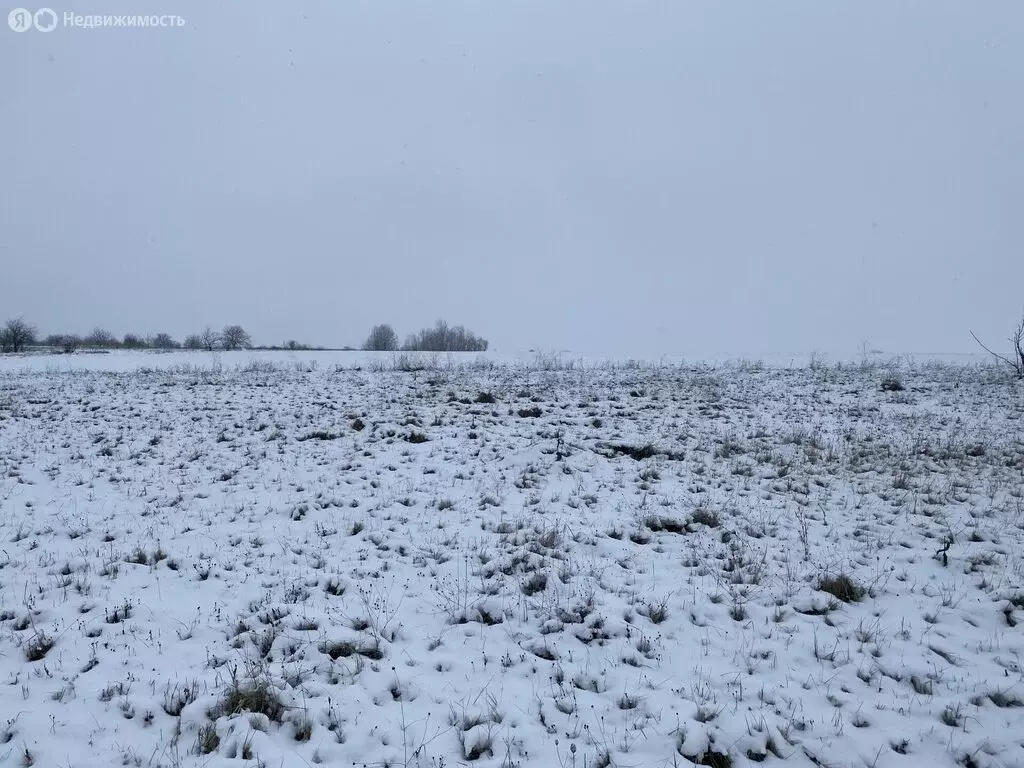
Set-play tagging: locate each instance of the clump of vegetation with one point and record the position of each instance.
(706, 517)
(320, 434)
(253, 695)
(178, 697)
(119, 614)
(38, 646)
(842, 587)
(710, 757)
(714, 760)
(638, 452)
(953, 716)
(659, 523)
(536, 583)
(344, 649)
(340, 650)
(1006, 699)
(207, 740)
(892, 383)
(303, 727)
(476, 744)
(334, 587)
(656, 611)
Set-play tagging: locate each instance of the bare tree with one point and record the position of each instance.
(193, 341)
(235, 337)
(442, 338)
(100, 337)
(163, 341)
(132, 341)
(16, 335)
(70, 342)
(65, 342)
(1016, 361)
(209, 339)
(382, 338)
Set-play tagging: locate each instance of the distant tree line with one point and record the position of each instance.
(232, 337)
(440, 338)
(17, 335)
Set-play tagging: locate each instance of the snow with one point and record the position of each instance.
(460, 582)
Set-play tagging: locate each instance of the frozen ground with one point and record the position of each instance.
(125, 361)
(502, 565)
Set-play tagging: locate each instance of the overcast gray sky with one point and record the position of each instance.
(629, 177)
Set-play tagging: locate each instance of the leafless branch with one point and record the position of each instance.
(1017, 340)
(996, 355)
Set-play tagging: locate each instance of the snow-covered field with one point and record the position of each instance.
(288, 563)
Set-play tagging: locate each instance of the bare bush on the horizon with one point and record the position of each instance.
(100, 338)
(163, 341)
(382, 338)
(65, 342)
(442, 338)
